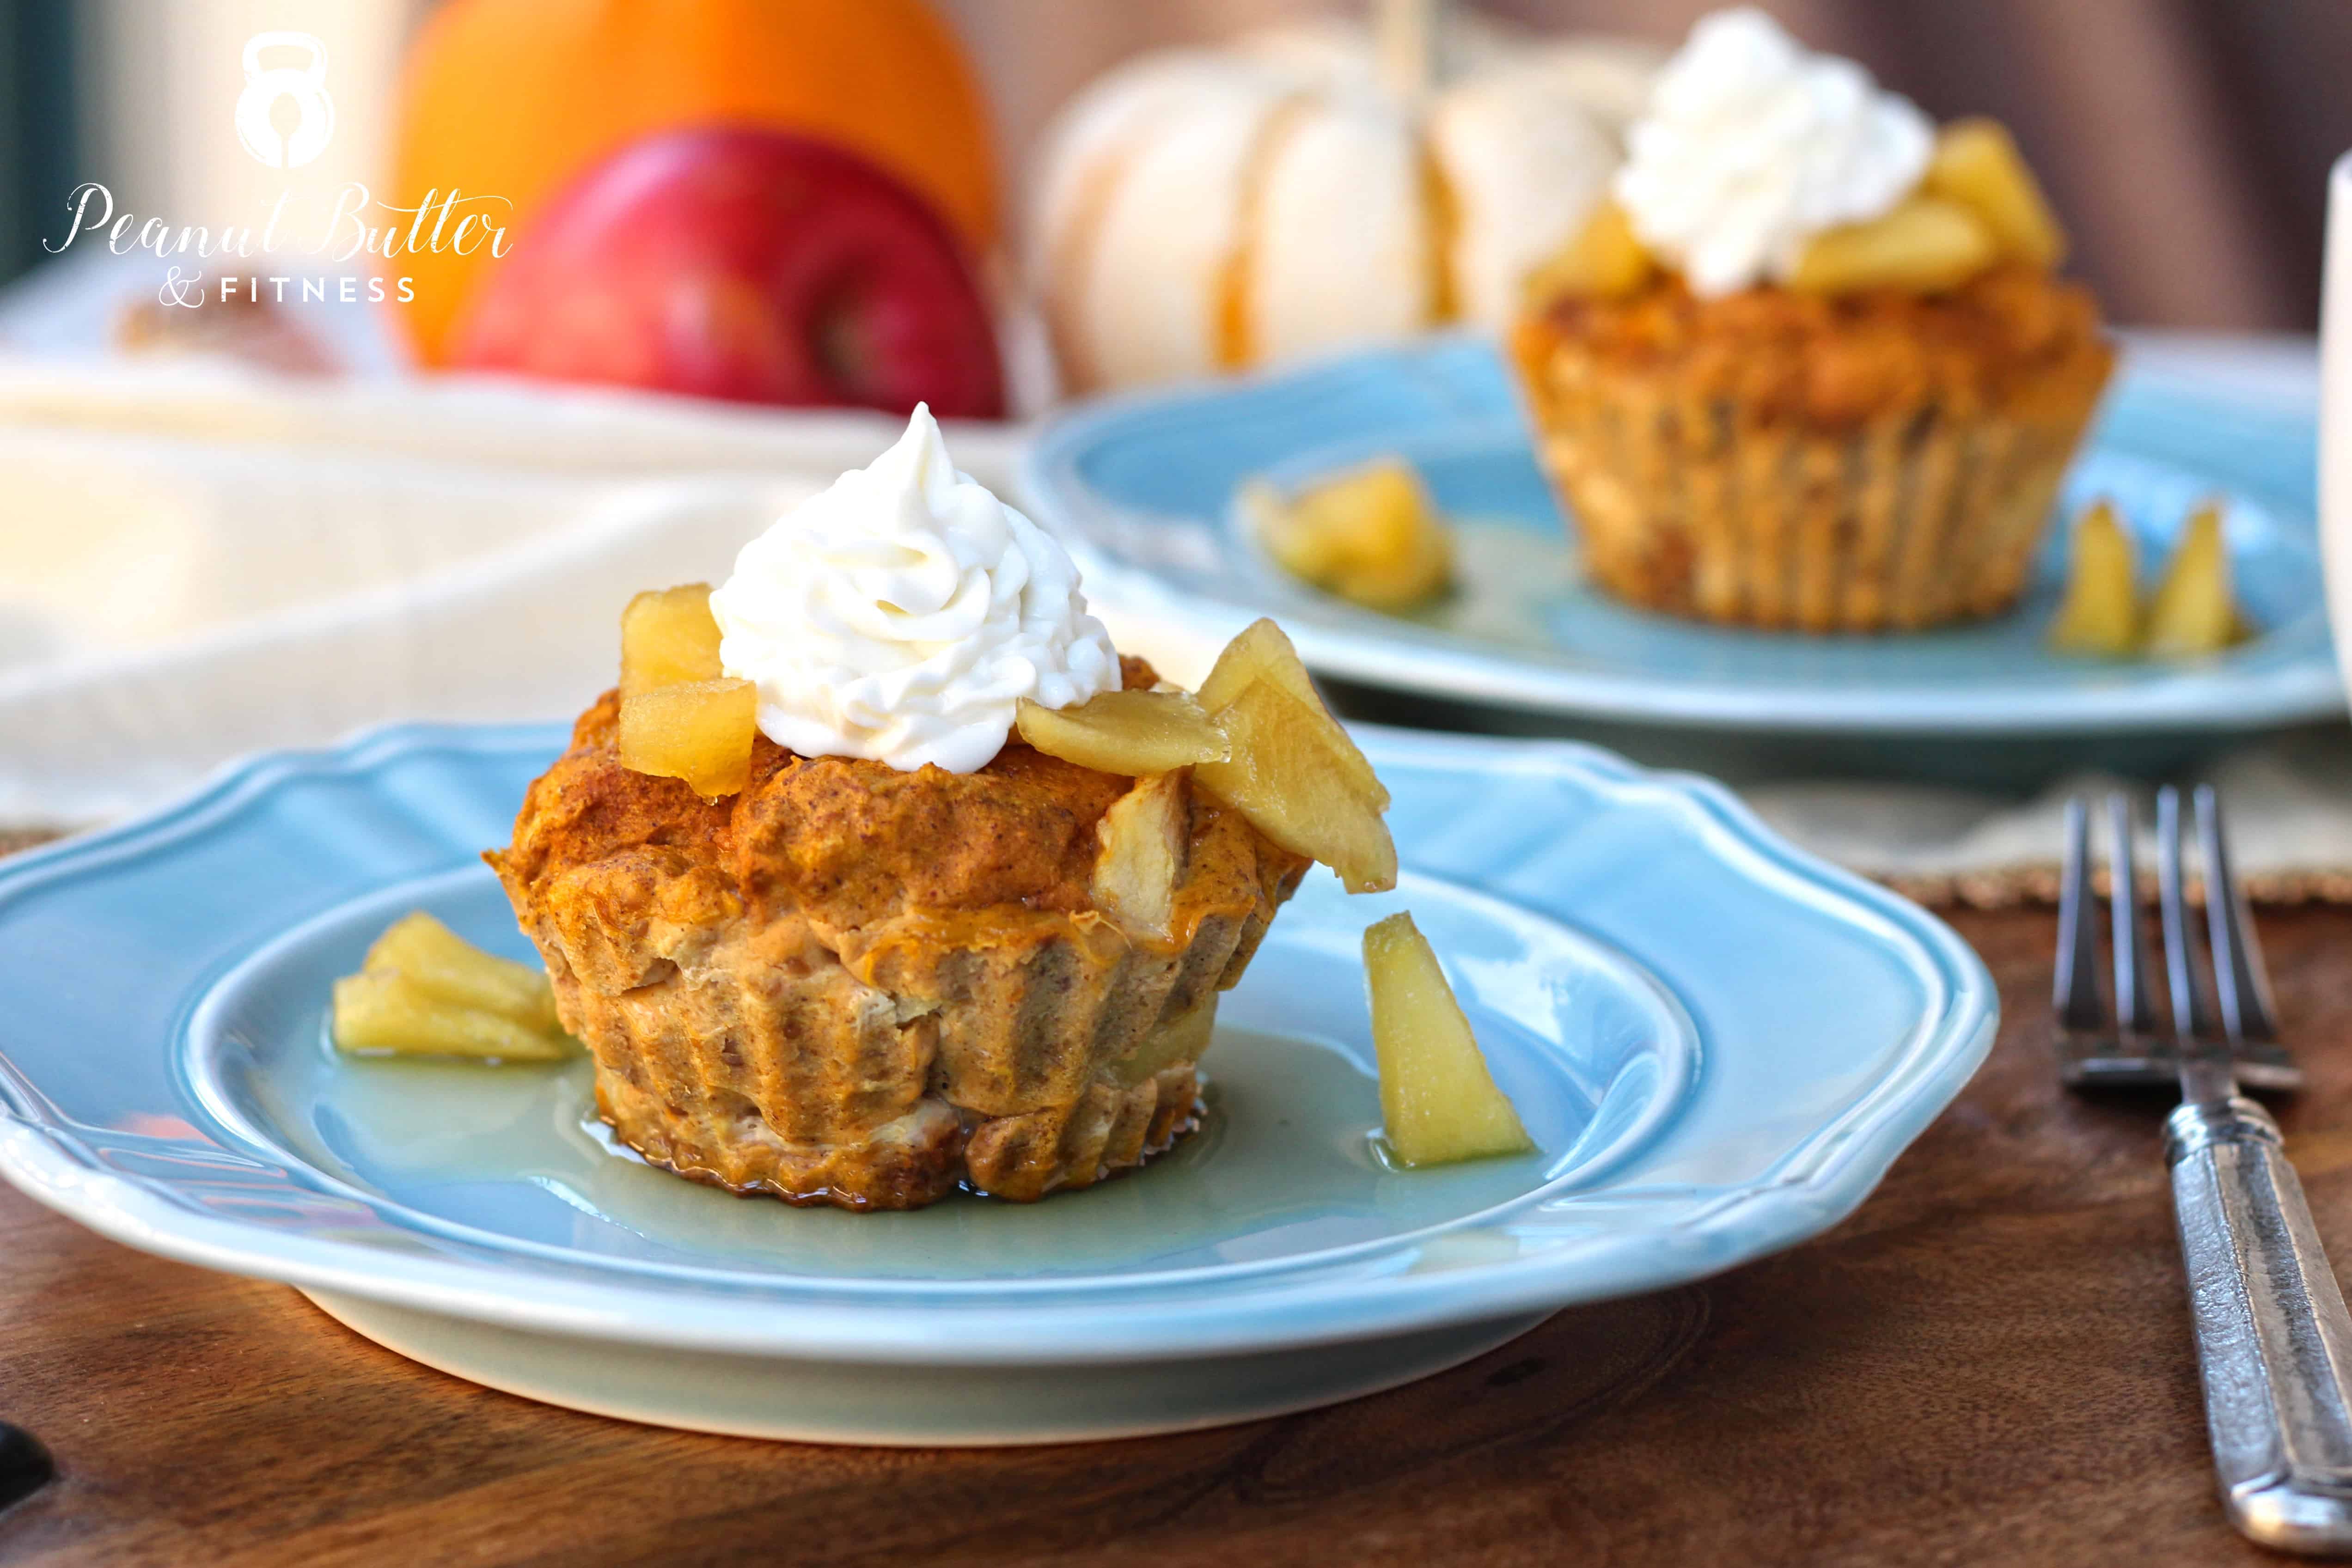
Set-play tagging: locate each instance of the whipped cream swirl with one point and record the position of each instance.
(1752, 145)
(902, 614)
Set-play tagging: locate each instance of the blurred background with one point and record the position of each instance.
(2185, 140)
(807, 215)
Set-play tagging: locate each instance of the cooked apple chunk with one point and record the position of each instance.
(424, 990)
(385, 1010)
(1438, 1103)
(1296, 788)
(1923, 244)
(667, 636)
(1144, 837)
(1262, 651)
(1130, 733)
(699, 731)
(1372, 537)
(2194, 611)
(1977, 165)
(1605, 261)
(2101, 612)
(447, 967)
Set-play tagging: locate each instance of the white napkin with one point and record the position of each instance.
(199, 560)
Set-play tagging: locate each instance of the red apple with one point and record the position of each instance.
(750, 264)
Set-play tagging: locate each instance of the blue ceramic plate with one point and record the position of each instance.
(1717, 1043)
(1144, 488)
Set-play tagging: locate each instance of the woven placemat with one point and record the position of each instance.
(2017, 887)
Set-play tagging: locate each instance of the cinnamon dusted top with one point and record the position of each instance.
(847, 842)
(2003, 339)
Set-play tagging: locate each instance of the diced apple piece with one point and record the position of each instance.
(2193, 612)
(447, 967)
(1263, 651)
(1438, 1103)
(1978, 165)
(1130, 733)
(383, 1009)
(1372, 537)
(1925, 244)
(2101, 613)
(425, 990)
(1292, 784)
(1145, 837)
(699, 731)
(1604, 261)
(667, 636)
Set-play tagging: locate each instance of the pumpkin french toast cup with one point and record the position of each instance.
(1882, 461)
(847, 985)
(860, 916)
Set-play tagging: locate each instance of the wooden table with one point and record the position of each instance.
(1989, 1363)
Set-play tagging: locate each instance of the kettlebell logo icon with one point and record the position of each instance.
(304, 86)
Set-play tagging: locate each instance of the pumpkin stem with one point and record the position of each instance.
(1408, 38)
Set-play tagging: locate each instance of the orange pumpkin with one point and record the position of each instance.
(512, 97)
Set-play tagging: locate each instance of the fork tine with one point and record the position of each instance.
(2075, 996)
(2238, 975)
(2190, 1019)
(2134, 1009)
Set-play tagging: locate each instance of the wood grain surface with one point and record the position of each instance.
(1990, 1362)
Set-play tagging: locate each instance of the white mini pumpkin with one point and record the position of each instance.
(1201, 210)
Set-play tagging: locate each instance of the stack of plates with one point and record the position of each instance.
(1719, 1044)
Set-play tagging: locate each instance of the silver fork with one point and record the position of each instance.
(2126, 1050)
(2274, 1338)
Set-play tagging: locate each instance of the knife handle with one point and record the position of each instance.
(2273, 1339)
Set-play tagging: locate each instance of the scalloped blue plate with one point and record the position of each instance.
(1717, 1043)
(1142, 488)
